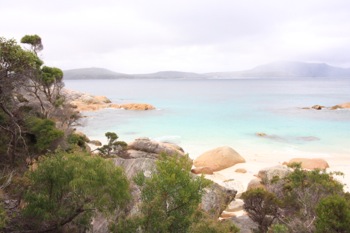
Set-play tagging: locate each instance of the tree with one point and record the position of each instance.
(69, 188)
(298, 194)
(170, 196)
(333, 215)
(34, 41)
(44, 133)
(302, 191)
(261, 206)
(16, 66)
(112, 145)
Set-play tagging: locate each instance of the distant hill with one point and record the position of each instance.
(271, 70)
(287, 69)
(99, 73)
(93, 73)
(170, 75)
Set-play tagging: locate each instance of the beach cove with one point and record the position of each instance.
(200, 115)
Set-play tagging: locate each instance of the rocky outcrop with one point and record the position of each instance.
(153, 148)
(219, 159)
(307, 163)
(341, 106)
(269, 173)
(216, 198)
(86, 102)
(139, 107)
(317, 107)
(338, 106)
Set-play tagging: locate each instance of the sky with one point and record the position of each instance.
(145, 36)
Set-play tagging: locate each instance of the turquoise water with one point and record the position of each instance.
(202, 114)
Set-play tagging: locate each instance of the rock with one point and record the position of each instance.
(86, 102)
(235, 205)
(202, 170)
(241, 170)
(95, 142)
(308, 138)
(245, 224)
(135, 154)
(260, 134)
(219, 158)
(232, 184)
(307, 163)
(133, 166)
(341, 106)
(317, 107)
(267, 174)
(255, 183)
(134, 106)
(146, 145)
(216, 198)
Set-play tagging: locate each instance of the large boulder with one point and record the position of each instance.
(155, 148)
(219, 158)
(310, 163)
(216, 198)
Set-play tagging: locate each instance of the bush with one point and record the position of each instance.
(68, 188)
(45, 133)
(170, 196)
(333, 215)
(261, 206)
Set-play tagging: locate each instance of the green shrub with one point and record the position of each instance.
(333, 215)
(45, 133)
(68, 188)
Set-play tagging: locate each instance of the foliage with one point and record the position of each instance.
(70, 187)
(169, 197)
(28, 89)
(77, 139)
(112, 145)
(34, 41)
(278, 228)
(333, 215)
(298, 194)
(3, 217)
(16, 67)
(44, 131)
(204, 223)
(261, 206)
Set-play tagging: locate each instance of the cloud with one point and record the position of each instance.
(136, 36)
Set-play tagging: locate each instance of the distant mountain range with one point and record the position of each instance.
(271, 70)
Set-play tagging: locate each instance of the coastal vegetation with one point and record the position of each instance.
(51, 182)
(302, 201)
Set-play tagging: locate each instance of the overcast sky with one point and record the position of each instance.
(142, 36)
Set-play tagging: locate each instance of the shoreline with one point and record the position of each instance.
(257, 155)
(262, 157)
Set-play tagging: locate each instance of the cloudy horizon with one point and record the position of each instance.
(137, 36)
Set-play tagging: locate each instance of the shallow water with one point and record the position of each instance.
(203, 114)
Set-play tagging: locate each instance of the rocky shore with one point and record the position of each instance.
(87, 102)
(233, 173)
(335, 107)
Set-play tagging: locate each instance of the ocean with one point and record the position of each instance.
(203, 114)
